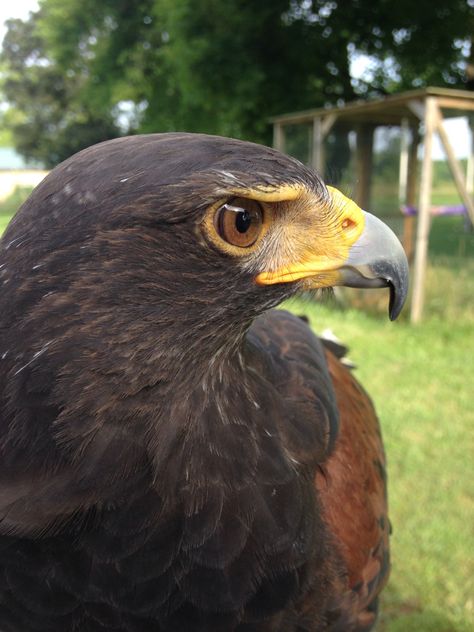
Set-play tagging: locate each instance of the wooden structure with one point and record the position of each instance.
(429, 106)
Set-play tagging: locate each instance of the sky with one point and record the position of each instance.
(457, 128)
(15, 9)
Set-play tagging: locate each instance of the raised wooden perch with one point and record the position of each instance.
(429, 106)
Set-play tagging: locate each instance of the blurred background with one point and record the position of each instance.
(76, 72)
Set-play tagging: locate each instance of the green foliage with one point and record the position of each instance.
(415, 43)
(235, 63)
(50, 118)
(442, 172)
(6, 138)
(81, 71)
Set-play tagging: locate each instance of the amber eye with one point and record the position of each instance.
(239, 222)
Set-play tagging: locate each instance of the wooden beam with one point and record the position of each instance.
(453, 163)
(418, 108)
(456, 103)
(447, 97)
(328, 123)
(422, 236)
(389, 118)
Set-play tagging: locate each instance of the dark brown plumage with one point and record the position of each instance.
(174, 456)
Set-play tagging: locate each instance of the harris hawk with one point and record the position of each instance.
(175, 455)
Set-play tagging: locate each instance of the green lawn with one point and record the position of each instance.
(4, 219)
(421, 379)
(11, 204)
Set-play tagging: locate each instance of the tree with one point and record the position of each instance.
(217, 66)
(414, 44)
(49, 120)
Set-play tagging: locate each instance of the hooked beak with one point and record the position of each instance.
(377, 259)
(366, 254)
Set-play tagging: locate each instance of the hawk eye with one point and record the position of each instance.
(239, 222)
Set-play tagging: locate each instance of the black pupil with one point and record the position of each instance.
(243, 220)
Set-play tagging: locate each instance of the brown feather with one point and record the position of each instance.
(352, 488)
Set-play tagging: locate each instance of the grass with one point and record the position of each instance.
(421, 379)
(9, 206)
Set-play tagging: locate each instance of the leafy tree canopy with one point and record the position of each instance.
(82, 71)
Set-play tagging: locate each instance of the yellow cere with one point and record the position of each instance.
(311, 263)
(352, 215)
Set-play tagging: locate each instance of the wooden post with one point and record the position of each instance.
(470, 160)
(408, 233)
(317, 146)
(470, 167)
(403, 186)
(403, 167)
(278, 137)
(328, 123)
(364, 155)
(413, 166)
(421, 253)
(409, 221)
(453, 164)
(321, 128)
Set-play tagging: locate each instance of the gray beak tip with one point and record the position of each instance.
(378, 260)
(397, 279)
(397, 300)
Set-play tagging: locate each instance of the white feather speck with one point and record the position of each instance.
(35, 357)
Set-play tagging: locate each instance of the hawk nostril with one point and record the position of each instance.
(348, 224)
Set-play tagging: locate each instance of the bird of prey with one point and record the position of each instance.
(176, 455)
